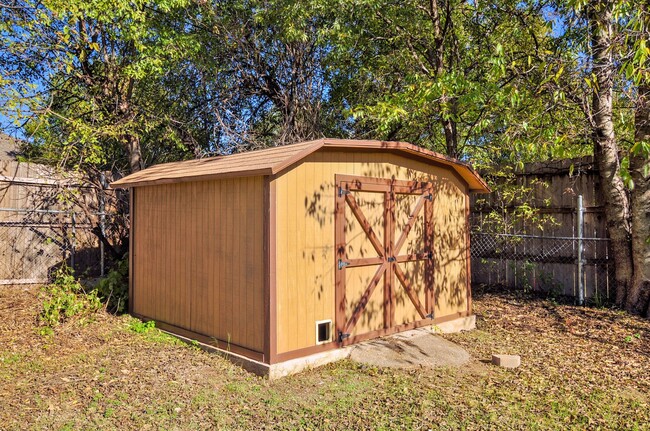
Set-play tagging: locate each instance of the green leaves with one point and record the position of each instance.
(482, 80)
(88, 78)
(626, 176)
(440, 79)
(65, 298)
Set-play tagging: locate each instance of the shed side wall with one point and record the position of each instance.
(199, 258)
(305, 253)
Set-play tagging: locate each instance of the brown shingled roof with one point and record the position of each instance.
(271, 161)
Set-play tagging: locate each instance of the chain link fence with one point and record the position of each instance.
(545, 263)
(544, 228)
(34, 243)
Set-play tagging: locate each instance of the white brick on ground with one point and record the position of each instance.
(506, 361)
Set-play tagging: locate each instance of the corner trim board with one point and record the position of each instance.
(270, 307)
(468, 254)
(131, 247)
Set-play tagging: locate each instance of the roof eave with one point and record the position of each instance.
(473, 179)
(317, 145)
(120, 184)
(475, 183)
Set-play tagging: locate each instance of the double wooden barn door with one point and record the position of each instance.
(384, 256)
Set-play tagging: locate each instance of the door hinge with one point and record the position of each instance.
(429, 197)
(430, 255)
(343, 192)
(392, 259)
(430, 316)
(343, 336)
(343, 264)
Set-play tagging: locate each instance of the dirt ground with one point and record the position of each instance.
(582, 368)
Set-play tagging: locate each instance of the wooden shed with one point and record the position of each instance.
(286, 252)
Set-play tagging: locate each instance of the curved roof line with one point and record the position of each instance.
(272, 161)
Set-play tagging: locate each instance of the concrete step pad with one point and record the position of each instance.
(416, 348)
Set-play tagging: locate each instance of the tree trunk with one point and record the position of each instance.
(135, 154)
(605, 146)
(437, 54)
(451, 137)
(639, 294)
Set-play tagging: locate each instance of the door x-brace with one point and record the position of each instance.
(388, 252)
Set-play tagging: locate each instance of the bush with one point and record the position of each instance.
(65, 297)
(114, 288)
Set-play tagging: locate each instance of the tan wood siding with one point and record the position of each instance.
(450, 244)
(305, 240)
(199, 260)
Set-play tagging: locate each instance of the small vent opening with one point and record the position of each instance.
(323, 331)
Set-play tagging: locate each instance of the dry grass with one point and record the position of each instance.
(582, 368)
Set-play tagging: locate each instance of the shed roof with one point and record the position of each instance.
(271, 161)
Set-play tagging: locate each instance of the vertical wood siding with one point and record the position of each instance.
(199, 260)
(305, 241)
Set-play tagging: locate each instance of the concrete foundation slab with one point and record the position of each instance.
(295, 366)
(461, 324)
(415, 348)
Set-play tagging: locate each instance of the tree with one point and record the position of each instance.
(269, 87)
(88, 77)
(636, 70)
(639, 296)
(606, 150)
(89, 84)
(458, 77)
(618, 31)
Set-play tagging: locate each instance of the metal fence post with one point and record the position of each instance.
(102, 221)
(74, 238)
(580, 263)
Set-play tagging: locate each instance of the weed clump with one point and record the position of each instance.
(114, 288)
(140, 327)
(65, 298)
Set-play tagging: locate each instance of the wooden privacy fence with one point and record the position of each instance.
(567, 252)
(40, 231)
